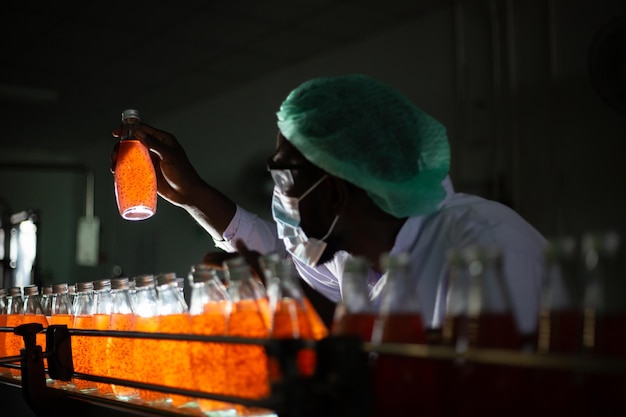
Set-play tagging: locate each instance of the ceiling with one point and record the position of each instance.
(65, 63)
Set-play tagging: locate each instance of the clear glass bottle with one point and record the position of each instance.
(61, 309)
(33, 312)
(209, 308)
(455, 290)
(289, 314)
(101, 318)
(281, 271)
(3, 323)
(175, 354)
(61, 313)
(83, 347)
(71, 288)
(119, 350)
(135, 178)
(46, 301)
(560, 328)
(355, 314)
(483, 389)
(561, 312)
(147, 352)
(246, 364)
(15, 317)
(605, 294)
(604, 318)
(402, 383)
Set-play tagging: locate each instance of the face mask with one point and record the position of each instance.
(286, 213)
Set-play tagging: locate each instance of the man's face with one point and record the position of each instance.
(315, 208)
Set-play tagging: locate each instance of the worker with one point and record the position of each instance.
(359, 170)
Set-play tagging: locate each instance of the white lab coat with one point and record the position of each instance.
(462, 220)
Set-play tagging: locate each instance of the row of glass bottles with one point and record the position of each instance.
(583, 311)
(243, 307)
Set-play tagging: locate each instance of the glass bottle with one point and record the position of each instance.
(453, 295)
(246, 364)
(83, 347)
(3, 323)
(71, 288)
(456, 288)
(560, 328)
(147, 352)
(33, 312)
(290, 318)
(355, 314)
(605, 317)
(400, 382)
(485, 389)
(15, 317)
(174, 358)
(101, 319)
(119, 350)
(61, 309)
(61, 313)
(561, 318)
(605, 295)
(46, 301)
(209, 309)
(135, 178)
(273, 266)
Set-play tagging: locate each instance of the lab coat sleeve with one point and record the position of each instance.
(258, 234)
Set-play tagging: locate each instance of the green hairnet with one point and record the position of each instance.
(367, 133)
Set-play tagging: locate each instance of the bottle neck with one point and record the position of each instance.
(129, 125)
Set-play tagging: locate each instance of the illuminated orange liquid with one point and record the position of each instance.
(207, 359)
(66, 319)
(99, 359)
(82, 353)
(318, 328)
(119, 355)
(291, 321)
(175, 357)
(41, 337)
(14, 343)
(246, 365)
(135, 181)
(147, 353)
(3, 336)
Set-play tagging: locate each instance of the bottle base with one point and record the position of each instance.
(138, 213)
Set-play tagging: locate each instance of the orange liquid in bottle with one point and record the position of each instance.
(99, 361)
(174, 358)
(318, 328)
(356, 324)
(82, 353)
(119, 355)
(147, 353)
(3, 337)
(135, 181)
(207, 358)
(247, 364)
(68, 320)
(41, 337)
(401, 382)
(14, 343)
(290, 321)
